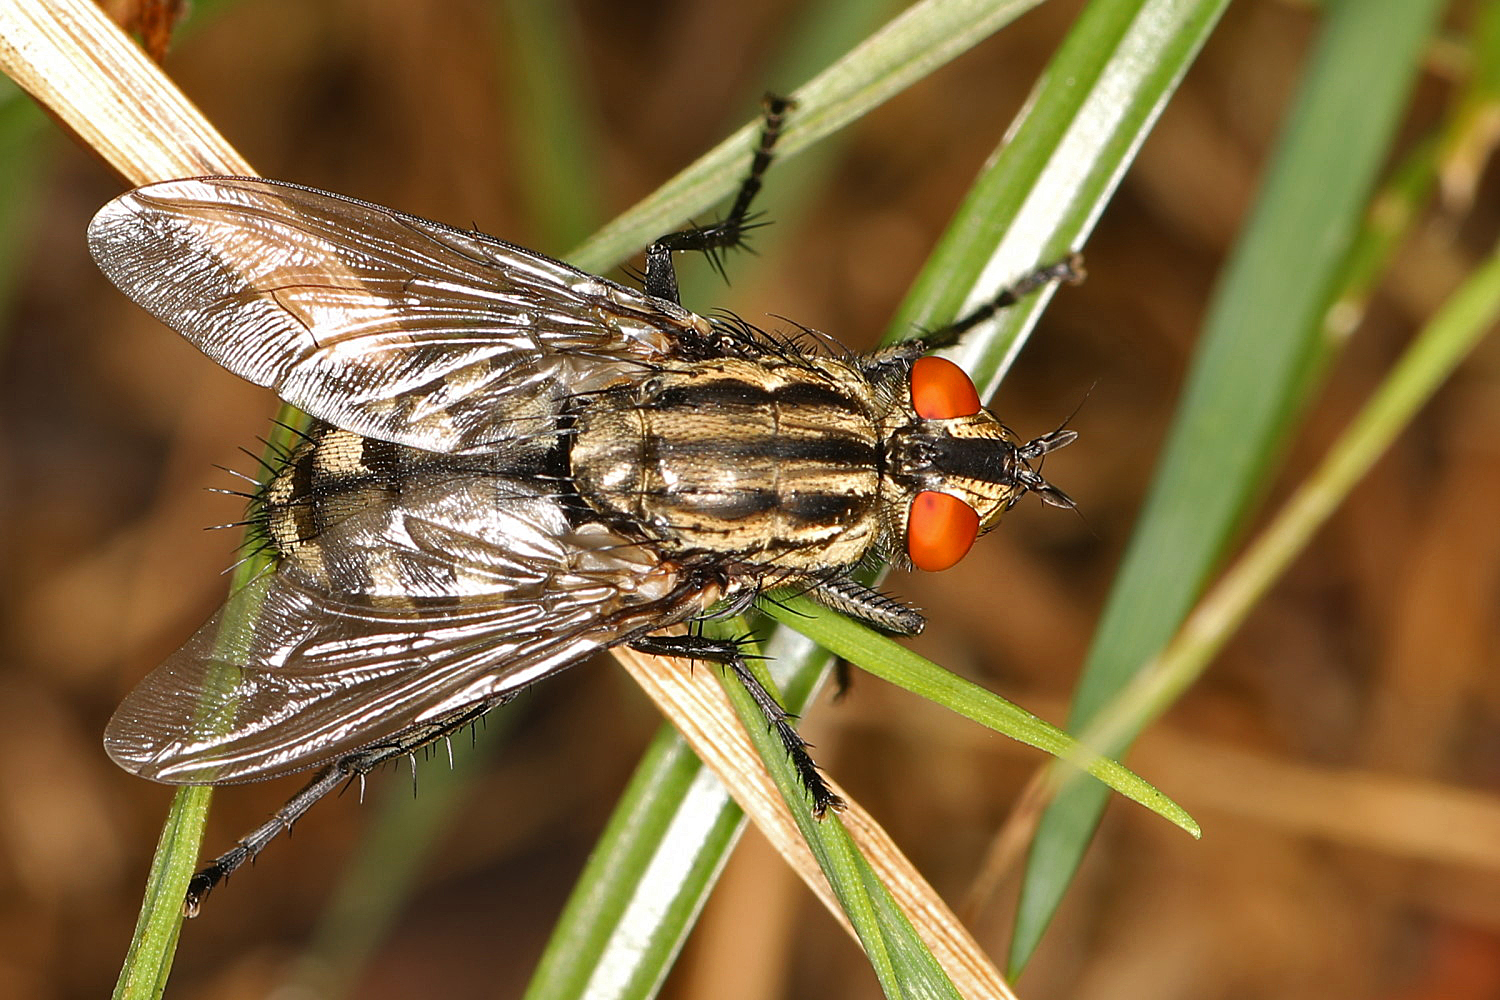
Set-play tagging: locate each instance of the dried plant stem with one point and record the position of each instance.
(696, 703)
(87, 73)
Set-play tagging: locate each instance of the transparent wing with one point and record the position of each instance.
(384, 324)
(467, 589)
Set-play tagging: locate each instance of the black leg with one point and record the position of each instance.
(255, 841)
(356, 765)
(727, 652)
(1070, 269)
(843, 679)
(890, 367)
(661, 276)
(848, 596)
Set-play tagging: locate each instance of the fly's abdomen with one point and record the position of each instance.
(358, 516)
(328, 476)
(759, 463)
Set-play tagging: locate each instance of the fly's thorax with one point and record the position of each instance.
(764, 463)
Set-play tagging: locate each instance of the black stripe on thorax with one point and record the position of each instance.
(729, 506)
(804, 507)
(710, 394)
(831, 450)
(813, 394)
(823, 508)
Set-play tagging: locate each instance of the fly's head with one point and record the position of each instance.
(957, 468)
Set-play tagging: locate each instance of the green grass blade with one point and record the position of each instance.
(646, 881)
(1430, 359)
(650, 874)
(893, 662)
(556, 137)
(1047, 184)
(148, 961)
(1455, 155)
(21, 156)
(1249, 378)
(149, 958)
(1470, 142)
(901, 961)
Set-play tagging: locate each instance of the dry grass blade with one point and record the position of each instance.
(85, 71)
(696, 703)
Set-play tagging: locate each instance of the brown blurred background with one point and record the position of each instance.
(1342, 756)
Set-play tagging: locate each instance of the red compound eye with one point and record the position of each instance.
(939, 530)
(940, 390)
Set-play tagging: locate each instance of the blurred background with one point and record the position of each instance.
(1343, 755)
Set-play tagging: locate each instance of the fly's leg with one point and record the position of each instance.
(889, 367)
(1069, 269)
(848, 596)
(354, 766)
(256, 840)
(661, 276)
(727, 652)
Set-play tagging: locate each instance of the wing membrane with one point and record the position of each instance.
(381, 323)
(341, 656)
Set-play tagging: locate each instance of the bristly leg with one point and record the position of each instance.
(220, 868)
(345, 769)
(847, 596)
(727, 234)
(727, 652)
(1069, 269)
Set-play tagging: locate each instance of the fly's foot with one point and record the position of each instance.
(728, 653)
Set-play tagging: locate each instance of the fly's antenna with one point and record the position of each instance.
(1032, 481)
(1038, 448)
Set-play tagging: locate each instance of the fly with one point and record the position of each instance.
(514, 464)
